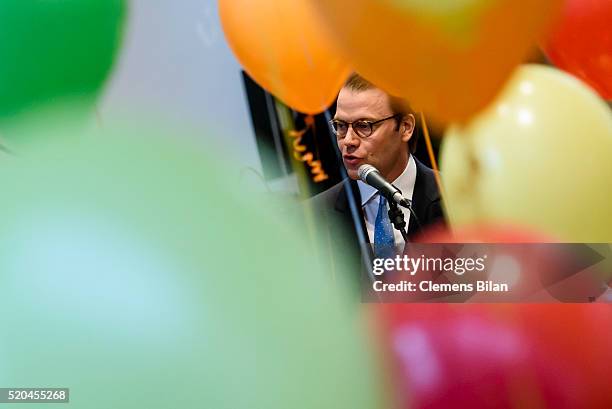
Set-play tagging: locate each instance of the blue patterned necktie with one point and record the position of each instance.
(383, 232)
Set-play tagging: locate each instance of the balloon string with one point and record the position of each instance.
(432, 157)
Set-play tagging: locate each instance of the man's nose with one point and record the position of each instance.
(351, 139)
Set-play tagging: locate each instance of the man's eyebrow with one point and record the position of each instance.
(356, 120)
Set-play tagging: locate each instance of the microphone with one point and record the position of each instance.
(370, 175)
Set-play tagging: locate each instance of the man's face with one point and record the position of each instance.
(385, 148)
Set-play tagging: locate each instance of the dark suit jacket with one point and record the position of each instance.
(343, 233)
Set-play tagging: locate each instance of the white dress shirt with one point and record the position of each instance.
(370, 199)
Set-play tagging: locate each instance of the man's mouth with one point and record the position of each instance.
(351, 160)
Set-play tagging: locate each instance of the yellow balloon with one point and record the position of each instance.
(448, 57)
(284, 48)
(540, 156)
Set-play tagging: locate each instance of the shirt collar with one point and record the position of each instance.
(404, 182)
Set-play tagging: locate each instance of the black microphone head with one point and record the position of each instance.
(364, 170)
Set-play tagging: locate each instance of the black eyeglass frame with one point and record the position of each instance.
(370, 124)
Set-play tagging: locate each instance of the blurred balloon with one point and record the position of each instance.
(518, 266)
(582, 43)
(486, 233)
(53, 51)
(536, 266)
(539, 157)
(505, 356)
(284, 48)
(132, 277)
(450, 58)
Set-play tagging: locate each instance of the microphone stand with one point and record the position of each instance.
(397, 218)
(414, 216)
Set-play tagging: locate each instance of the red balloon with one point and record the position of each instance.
(582, 43)
(499, 356)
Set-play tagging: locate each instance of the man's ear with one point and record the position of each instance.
(407, 127)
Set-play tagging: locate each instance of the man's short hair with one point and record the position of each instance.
(399, 106)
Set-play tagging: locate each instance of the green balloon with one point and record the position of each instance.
(131, 273)
(55, 50)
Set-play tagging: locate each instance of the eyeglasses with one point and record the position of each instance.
(361, 127)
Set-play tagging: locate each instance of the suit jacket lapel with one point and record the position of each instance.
(420, 200)
(342, 205)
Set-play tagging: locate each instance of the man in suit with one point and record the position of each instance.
(375, 128)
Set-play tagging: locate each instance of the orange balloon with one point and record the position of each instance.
(285, 50)
(448, 57)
